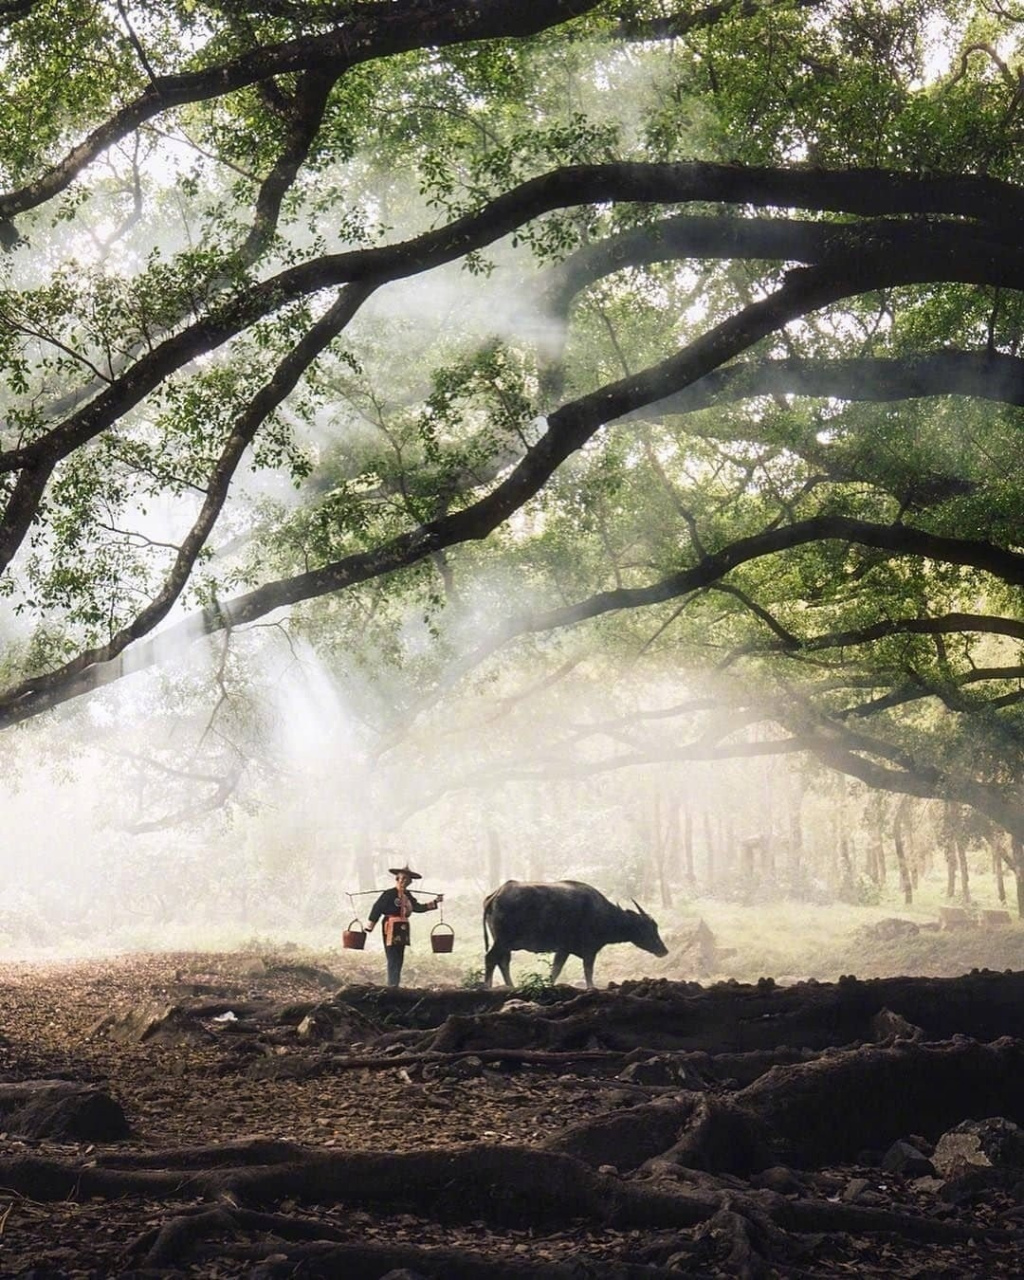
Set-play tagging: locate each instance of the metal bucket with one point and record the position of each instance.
(442, 942)
(354, 937)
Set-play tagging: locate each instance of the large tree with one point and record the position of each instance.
(703, 318)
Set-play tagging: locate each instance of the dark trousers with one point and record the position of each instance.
(395, 956)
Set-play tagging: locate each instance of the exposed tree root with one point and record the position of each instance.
(224, 1155)
(501, 1185)
(313, 1249)
(829, 1110)
(745, 1244)
(181, 1237)
(742, 1022)
(984, 1005)
(734, 1018)
(528, 1057)
(793, 1115)
(626, 1139)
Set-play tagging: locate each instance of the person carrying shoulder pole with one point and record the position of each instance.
(396, 906)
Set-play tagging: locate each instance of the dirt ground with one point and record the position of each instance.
(281, 1123)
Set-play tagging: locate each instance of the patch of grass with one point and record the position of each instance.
(534, 983)
(792, 940)
(935, 953)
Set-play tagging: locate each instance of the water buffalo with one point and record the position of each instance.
(568, 918)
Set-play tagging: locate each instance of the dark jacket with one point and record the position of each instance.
(387, 905)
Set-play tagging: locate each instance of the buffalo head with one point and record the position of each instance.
(646, 935)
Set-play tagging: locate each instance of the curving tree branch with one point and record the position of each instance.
(569, 427)
(263, 404)
(985, 376)
(371, 32)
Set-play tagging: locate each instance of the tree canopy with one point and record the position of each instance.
(683, 337)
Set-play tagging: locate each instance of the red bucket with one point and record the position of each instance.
(354, 937)
(442, 942)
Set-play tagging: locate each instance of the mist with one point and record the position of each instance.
(264, 814)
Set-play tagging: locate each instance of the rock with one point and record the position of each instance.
(76, 1114)
(284, 1066)
(993, 1143)
(329, 1020)
(156, 1021)
(517, 1005)
(306, 972)
(315, 1026)
(780, 1179)
(892, 929)
(887, 1025)
(995, 919)
(854, 1189)
(974, 1184)
(464, 1068)
(905, 1159)
(659, 1070)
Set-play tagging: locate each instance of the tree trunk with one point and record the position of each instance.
(879, 833)
(767, 822)
(996, 842)
(494, 876)
(844, 854)
(796, 827)
(688, 864)
(950, 853)
(709, 840)
(911, 846)
(673, 851)
(535, 860)
(748, 874)
(870, 859)
(846, 872)
(1017, 848)
(662, 847)
(906, 883)
(961, 857)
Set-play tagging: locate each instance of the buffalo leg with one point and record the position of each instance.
(558, 964)
(499, 958)
(588, 968)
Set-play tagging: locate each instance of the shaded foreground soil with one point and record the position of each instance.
(238, 1115)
